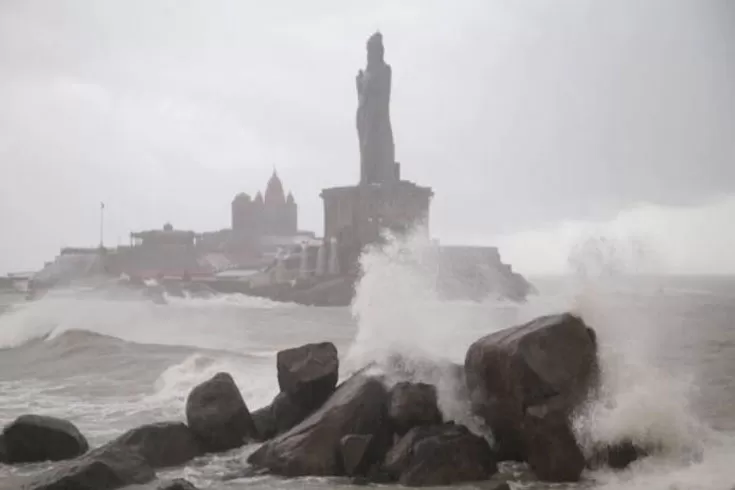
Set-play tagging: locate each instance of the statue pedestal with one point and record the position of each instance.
(356, 215)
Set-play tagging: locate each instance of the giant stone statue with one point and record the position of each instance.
(377, 152)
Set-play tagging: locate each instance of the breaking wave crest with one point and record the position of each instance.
(135, 320)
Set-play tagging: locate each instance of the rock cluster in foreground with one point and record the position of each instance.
(523, 382)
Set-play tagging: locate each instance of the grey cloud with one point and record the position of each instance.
(516, 113)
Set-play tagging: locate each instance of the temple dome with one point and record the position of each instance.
(274, 191)
(242, 197)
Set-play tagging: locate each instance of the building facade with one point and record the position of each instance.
(276, 214)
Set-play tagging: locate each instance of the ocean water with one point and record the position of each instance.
(667, 347)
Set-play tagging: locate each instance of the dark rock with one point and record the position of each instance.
(359, 406)
(413, 404)
(440, 455)
(551, 449)
(281, 415)
(288, 413)
(218, 416)
(550, 361)
(265, 422)
(162, 444)
(399, 457)
(617, 456)
(330, 291)
(354, 449)
(308, 374)
(3, 450)
(107, 468)
(177, 484)
(33, 438)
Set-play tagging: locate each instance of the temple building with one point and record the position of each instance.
(274, 215)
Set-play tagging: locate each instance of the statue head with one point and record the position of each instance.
(375, 49)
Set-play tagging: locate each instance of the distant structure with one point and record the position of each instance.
(264, 253)
(275, 215)
(374, 131)
(354, 216)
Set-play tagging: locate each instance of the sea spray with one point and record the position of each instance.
(638, 401)
(408, 330)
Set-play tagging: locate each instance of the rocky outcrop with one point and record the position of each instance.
(107, 468)
(308, 374)
(526, 381)
(326, 291)
(355, 452)
(550, 446)
(218, 416)
(358, 407)
(440, 455)
(162, 444)
(33, 438)
(413, 404)
(3, 450)
(282, 414)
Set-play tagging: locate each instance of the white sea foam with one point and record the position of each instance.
(257, 382)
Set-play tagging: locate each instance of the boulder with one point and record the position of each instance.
(34, 438)
(3, 450)
(550, 361)
(440, 455)
(308, 374)
(106, 468)
(218, 416)
(162, 444)
(355, 452)
(177, 484)
(265, 422)
(551, 448)
(413, 404)
(282, 414)
(359, 406)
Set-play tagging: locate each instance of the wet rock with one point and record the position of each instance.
(282, 414)
(354, 449)
(550, 362)
(33, 438)
(309, 373)
(3, 450)
(107, 468)
(359, 407)
(218, 416)
(551, 448)
(413, 404)
(162, 444)
(265, 422)
(440, 455)
(399, 456)
(177, 484)
(617, 456)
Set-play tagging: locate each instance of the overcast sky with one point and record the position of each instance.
(535, 122)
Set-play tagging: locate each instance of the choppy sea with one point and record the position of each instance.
(109, 364)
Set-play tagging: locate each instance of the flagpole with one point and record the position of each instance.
(102, 225)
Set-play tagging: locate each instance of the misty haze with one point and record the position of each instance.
(323, 244)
